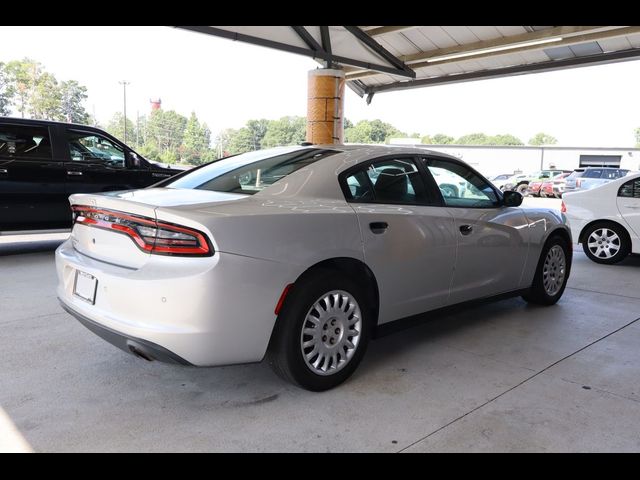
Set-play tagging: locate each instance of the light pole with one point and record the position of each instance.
(124, 84)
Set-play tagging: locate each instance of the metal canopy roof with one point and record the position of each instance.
(385, 58)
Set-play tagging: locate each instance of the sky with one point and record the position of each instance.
(227, 83)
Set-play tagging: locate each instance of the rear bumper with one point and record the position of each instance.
(137, 346)
(207, 311)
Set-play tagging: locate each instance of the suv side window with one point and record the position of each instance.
(94, 148)
(593, 173)
(630, 189)
(395, 181)
(25, 142)
(461, 186)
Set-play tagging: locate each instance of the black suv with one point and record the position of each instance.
(42, 163)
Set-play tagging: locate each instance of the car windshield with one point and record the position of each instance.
(250, 172)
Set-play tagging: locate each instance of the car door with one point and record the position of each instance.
(492, 240)
(96, 163)
(408, 241)
(628, 202)
(32, 192)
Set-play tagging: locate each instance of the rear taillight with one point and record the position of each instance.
(148, 234)
(563, 207)
(578, 183)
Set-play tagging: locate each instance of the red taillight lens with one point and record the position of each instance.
(578, 183)
(148, 234)
(563, 208)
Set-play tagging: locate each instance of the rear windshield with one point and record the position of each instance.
(250, 172)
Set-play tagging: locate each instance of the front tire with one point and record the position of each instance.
(522, 189)
(606, 243)
(322, 331)
(551, 274)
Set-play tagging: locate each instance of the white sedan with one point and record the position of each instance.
(606, 219)
(300, 254)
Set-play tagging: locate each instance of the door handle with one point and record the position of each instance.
(378, 227)
(74, 172)
(625, 206)
(466, 229)
(3, 170)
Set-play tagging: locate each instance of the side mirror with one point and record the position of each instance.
(511, 199)
(135, 160)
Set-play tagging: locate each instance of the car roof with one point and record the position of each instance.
(33, 121)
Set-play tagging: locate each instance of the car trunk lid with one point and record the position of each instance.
(111, 227)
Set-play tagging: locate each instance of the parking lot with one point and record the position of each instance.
(505, 376)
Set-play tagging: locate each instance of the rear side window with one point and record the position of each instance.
(576, 174)
(25, 142)
(630, 189)
(394, 181)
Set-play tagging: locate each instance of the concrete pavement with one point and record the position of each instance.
(500, 377)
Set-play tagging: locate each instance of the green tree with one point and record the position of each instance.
(196, 144)
(222, 142)
(165, 130)
(359, 133)
(371, 131)
(504, 139)
(116, 128)
(22, 77)
(285, 131)
(543, 139)
(473, 139)
(73, 96)
(45, 101)
(427, 140)
(6, 95)
(258, 129)
(441, 139)
(241, 141)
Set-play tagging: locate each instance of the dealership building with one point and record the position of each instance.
(495, 160)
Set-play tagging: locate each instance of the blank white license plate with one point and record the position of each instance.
(85, 286)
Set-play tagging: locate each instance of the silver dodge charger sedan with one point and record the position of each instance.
(301, 255)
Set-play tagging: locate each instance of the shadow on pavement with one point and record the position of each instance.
(29, 247)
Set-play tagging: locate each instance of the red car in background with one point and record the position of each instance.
(554, 188)
(534, 188)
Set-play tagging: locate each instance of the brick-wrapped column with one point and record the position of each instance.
(325, 106)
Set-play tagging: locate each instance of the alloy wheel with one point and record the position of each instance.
(331, 332)
(554, 270)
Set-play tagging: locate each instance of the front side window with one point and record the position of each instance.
(25, 142)
(250, 172)
(630, 189)
(93, 148)
(460, 186)
(394, 180)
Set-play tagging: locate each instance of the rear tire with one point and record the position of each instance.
(551, 274)
(606, 243)
(522, 189)
(332, 311)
